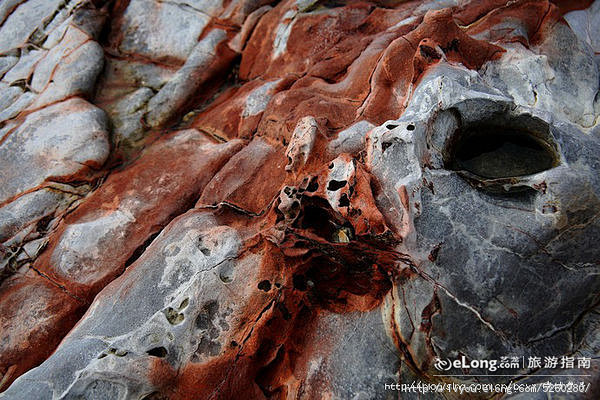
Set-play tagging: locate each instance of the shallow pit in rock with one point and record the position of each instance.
(495, 151)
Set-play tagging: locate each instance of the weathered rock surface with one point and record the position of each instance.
(297, 199)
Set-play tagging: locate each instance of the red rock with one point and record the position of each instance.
(164, 182)
(258, 168)
(34, 314)
(238, 111)
(93, 244)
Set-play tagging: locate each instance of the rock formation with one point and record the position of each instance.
(296, 199)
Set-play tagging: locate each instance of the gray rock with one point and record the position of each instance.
(6, 63)
(19, 104)
(143, 74)
(74, 140)
(361, 362)
(186, 81)
(177, 272)
(350, 140)
(161, 30)
(257, 100)
(586, 25)
(496, 252)
(24, 67)
(563, 79)
(9, 95)
(127, 116)
(19, 24)
(70, 68)
(31, 208)
(75, 76)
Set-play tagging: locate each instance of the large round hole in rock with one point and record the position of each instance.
(493, 152)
